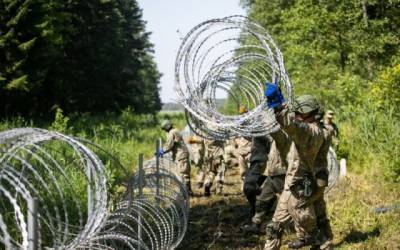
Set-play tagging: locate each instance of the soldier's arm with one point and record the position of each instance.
(321, 167)
(282, 141)
(169, 144)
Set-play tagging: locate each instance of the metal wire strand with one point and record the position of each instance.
(69, 182)
(235, 56)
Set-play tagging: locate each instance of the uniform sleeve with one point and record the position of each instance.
(321, 162)
(282, 141)
(169, 144)
(294, 128)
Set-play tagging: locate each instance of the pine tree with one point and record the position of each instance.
(78, 55)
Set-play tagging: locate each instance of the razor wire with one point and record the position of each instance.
(235, 56)
(333, 169)
(69, 182)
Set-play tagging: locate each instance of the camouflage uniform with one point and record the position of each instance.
(230, 156)
(243, 153)
(214, 161)
(254, 177)
(180, 154)
(265, 177)
(307, 170)
(275, 176)
(197, 157)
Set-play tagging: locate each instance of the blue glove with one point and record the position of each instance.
(274, 95)
(160, 152)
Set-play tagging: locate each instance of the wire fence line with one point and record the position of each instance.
(53, 191)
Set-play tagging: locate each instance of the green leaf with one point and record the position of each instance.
(19, 84)
(26, 46)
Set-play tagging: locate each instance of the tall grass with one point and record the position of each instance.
(371, 134)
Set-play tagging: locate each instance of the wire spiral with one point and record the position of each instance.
(75, 211)
(235, 56)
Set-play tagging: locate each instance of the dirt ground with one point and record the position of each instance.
(216, 221)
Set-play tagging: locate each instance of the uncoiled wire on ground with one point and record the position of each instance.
(75, 211)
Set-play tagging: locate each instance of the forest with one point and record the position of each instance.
(79, 56)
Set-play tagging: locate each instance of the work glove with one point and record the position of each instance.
(160, 152)
(274, 95)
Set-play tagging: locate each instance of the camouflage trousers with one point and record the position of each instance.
(215, 169)
(197, 162)
(310, 221)
(243, 160)
(184, 169)
(265, 201)
(261, 191)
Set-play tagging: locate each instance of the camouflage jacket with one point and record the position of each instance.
(308, 152)
(196, 144)
(243, 145)
(176, 145)
(214, 148)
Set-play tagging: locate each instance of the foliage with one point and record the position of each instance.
(77, 55)
(323, 39)
(386, 89)
(347, 54)
(60, 122)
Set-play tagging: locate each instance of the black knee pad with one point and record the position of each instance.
(251, 189)
(265, 204)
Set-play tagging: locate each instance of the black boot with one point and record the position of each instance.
(207, 190)
(251, 228)
(315, 247)
(299, 243)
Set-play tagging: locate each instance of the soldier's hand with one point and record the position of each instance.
(274, 95)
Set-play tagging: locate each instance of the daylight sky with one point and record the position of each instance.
(169, 21)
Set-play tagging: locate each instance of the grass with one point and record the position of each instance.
(215, 222)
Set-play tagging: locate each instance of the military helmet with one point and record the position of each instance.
(166, 124)
(305, 104)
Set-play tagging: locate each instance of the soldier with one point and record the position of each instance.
(197, 158)
(254, 177)
(265, 177)
(180, 154)
(230, 156)
(214, 160)
(329, 124)
(307, 175)
(243, 149)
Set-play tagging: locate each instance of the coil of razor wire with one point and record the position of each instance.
(235, 56)
(333, 168)
(153, 213)
(69, 182)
